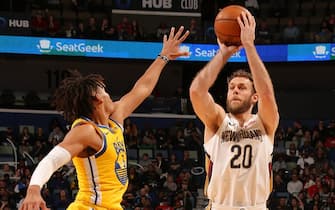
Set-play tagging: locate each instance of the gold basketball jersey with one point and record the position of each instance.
(102, 177)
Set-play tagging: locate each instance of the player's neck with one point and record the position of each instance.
(100, 117)
(241, 118)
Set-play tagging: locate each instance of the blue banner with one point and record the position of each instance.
(149, 50)
(309, 52)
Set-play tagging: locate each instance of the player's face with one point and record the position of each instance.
(106, 99)
(240, 95)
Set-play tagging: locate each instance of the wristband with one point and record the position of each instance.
(163, 57)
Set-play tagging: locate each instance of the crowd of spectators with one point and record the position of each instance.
(279, 21)
(160, 177)
(162, 172)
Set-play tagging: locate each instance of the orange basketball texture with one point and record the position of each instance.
(226, 27)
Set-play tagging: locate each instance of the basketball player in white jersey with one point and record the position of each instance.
(238, 143)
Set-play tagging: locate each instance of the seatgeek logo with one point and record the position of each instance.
(320, 51)
(211, 52)
(45, 46)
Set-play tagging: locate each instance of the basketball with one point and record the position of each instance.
(226, 27)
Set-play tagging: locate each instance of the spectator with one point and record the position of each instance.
(134, 177)
(145, 162)
(189, 201)
(174, 165)
(39, 24)
(280, 140)
(263, 33)
(160, 164)
(187, 163)
(305, 159)
(164, 204)
(291, 32)
(112, 33)
(40, 135)
(162, 29)
(279, 163)
(163, 140)
(26, 137)
(136, 31)
(129, 197)
(81, 30)
(131, 134)
(124, 29)
(294, 204)
(39, 150)
(6, 169)
(149, 140)
(190, 126)
(53, 26)
(25, 141)
(279, 186)
(324, 34)
(294, 186)
(62, 200)
(195, 31)
(330, 145)
(170, 185)
(292, 156)
(10, 135)
(56, 134)
(209, 10)
(180, 141)
(92, 28)
(58, 183)
(69, 30)
(252, 6)
(105, 28)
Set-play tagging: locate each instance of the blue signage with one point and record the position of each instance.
(149, 50)
(309, 52)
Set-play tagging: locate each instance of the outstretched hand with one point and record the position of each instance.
(171, 43)
(33, 200)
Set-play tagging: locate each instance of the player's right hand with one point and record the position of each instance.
(230, 50)
(33, 200)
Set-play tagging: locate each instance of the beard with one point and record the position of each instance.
(240, 108)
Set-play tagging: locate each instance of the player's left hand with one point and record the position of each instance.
(248, 25)
(171, 43)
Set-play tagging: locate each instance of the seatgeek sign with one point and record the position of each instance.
(134, 50)
(68, 47)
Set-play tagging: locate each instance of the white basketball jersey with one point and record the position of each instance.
(241, 156)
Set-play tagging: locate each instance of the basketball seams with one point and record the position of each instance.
(226, 26)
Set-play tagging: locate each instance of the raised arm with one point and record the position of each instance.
(146, 83)
(267, 106)
(209, 112)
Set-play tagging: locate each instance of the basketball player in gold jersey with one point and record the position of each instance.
(238, 143)
(95, 142)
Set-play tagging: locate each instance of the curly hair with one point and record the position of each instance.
(74, 97)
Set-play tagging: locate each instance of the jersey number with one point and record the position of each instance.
(235, 162)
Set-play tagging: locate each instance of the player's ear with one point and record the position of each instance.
(98, 97)
(254, 98)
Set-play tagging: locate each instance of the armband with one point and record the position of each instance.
(56, 158)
